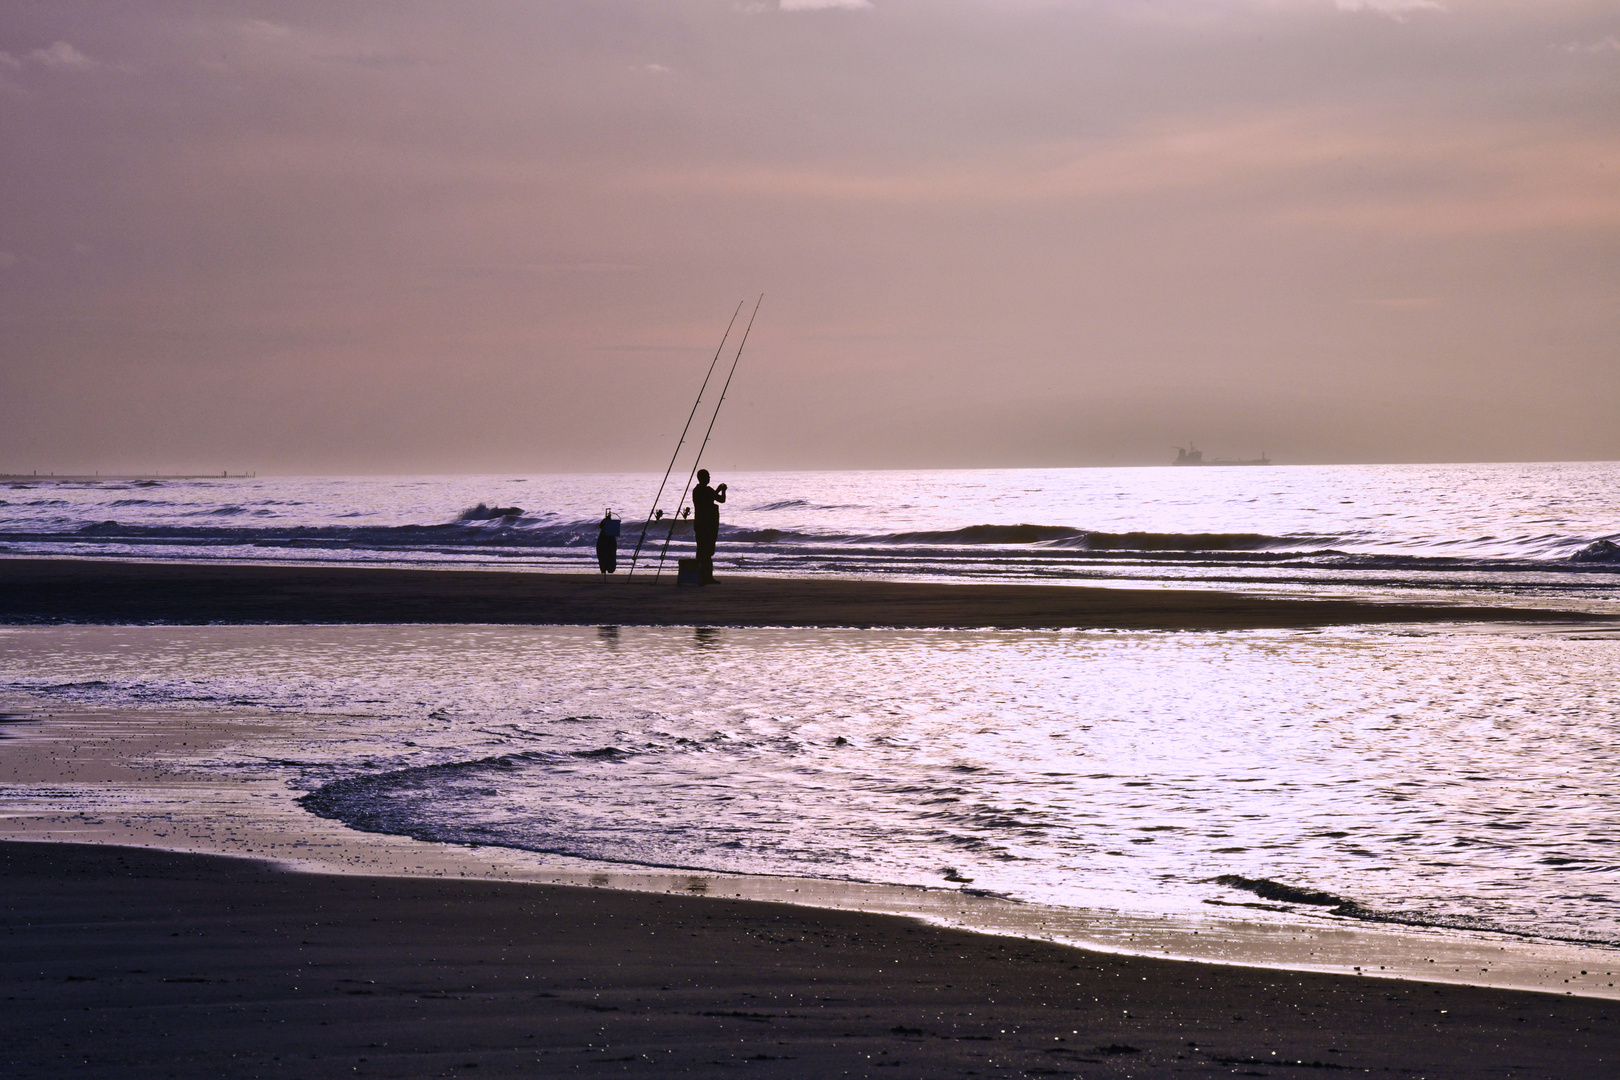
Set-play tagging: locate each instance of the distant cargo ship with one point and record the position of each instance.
(1194, 456)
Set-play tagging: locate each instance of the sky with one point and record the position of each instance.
(506, 235)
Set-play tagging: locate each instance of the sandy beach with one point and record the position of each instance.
(132, 961)
(96, 591)
(123, 962)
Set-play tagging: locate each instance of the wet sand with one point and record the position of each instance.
(97, 591)
(129, 963)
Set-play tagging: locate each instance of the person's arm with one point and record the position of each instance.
(720, 493)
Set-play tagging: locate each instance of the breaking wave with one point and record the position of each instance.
(1599, 551)
(489, 513)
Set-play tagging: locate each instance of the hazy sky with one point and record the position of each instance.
(400, 237)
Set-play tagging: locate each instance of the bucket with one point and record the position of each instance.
(689, 572)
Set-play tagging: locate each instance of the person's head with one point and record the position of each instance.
(703, 476)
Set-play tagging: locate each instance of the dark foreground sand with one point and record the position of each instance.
(97, 591)
(121, 962)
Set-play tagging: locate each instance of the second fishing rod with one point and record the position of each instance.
(705, 444)
(682, 440)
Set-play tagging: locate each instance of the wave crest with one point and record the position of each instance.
(1061, 536)
(489, 513)
(1598, 551)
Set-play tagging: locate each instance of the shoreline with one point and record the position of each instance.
(119, 778)
(213, 926)
(52, 590)
(130, 962)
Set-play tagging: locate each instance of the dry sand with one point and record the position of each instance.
(98, 591)
(129, 963)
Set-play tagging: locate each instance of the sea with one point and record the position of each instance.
(1441, 778)
(1545, 530)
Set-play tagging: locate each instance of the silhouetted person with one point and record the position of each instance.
(706, 521)
(607, 543)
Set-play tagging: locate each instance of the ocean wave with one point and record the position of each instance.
(87, 688)
(603, 753)
(740, 535)
(489, 513)
(495, 532)
(503, 532)
(983, 534)
(1598, 551)
(796, 504)
(1282, 893)
(1149, 541)
(1062, 536)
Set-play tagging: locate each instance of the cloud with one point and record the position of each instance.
(63, 57)
(1305, 167)
(264, 30)
(7, 60)
(1608, 44)
(1395, 9)
(825, 5)
(656, 69)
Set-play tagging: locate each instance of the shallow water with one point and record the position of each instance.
(1442, 777)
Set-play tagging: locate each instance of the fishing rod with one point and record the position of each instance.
(648, 524)
(705, 445)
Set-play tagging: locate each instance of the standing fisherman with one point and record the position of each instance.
(706, 522)
(709, 516)
(657, 514)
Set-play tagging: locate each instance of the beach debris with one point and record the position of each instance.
(950, 873)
